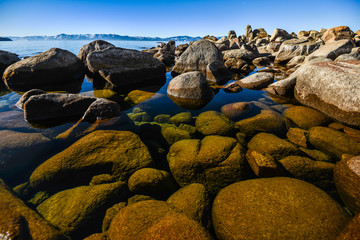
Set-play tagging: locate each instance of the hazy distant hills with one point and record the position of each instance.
(106, 37)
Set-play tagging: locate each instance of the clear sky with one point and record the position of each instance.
(172, 18)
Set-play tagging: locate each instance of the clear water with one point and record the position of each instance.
(159, 103)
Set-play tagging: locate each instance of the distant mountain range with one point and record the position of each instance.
(105, 37)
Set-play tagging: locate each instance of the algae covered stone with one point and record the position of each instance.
(263, 165)
(266, 121)
(215, 161)
(351, 231)
(120, 153)
(152, 182)
(267, 143)
(184, 117)
(214, 123)
(276, 208)
(18, 221)
(172, 134)
(333, 142)
(298, 136)
(78, 212)
(193, 201)
(347, 182)
(154, 220)
(305, 117)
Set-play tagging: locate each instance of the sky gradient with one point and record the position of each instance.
(161, 18)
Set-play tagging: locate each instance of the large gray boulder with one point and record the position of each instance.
(332, 50)
(295, 47)
(55, 69)
(242, 53)
(332, 88)
(56, 106)
(96, 45)
(124, 67)
(197, 57)
(191, 85)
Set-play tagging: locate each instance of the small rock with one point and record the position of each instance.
(280, 33)
(317, 155)
(184, 117)
(298, 136)
(263, 165)
(101, 109)
(233, 87)
(234, 111)
(262, 62)
(173, 134)
(305, 118)
(257, 81)
(162, 118)
(216, 72)
(214, 123)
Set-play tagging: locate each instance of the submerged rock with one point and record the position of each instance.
(119, 153)
(305, 118)
(351, 230)
(55, 69)
(78, 212)
(191, 85)
(125, 67)
(331, 87)
(234, 111)
(215, 161)
(266, 121)
(18, 221)
(263, 165)
(347, 180)
(194, 202)
(257, 81)
(154, 220)
(183, 117)
(276, 147)
(214, 123)
(333, 142)
(276, 208)
(152, 182)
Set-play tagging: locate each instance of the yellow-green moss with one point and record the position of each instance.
(214, 123)
(184, 117)
(305, 118)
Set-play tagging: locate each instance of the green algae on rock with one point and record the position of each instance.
(266, 121)
(305, 117)
(214, 123)
(78, 212)
(347, 181)
(276, 208)
(154, 220)
(18, 221)
(152, 182)
(216, 162)
(184, 117)
(172, 134)
(263, 165)
(119, 153)
(194, 202)
(276, 147)
(333, 142)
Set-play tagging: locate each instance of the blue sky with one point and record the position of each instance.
(171, 18)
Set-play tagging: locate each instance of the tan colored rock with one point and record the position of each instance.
(263, 165)
(337, 33)
(276, 208)
(352, 230)
(298, 136)
(347, 182)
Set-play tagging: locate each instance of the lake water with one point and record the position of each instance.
(153, 102)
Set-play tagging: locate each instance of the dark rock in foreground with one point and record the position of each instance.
(332, 88)
(125, 67)
(6, 59)
(55, 69)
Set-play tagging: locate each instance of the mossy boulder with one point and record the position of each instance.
(162, 118)
(305, 117)
(194, 202)
(214, 123)
(78, 212)
(172, 134)
(119, 153)
(352, 230)
(154, 220)
(18, 221)
(263, 165)
(152, 182)
(276, 208)
(267, 143)
(110, 214)
(316, 172)
(266, 121)
(140, 117)
(347, 182)
(333, 142)
(317, 155)
(298, 136)
(215, 162)
(184, 117)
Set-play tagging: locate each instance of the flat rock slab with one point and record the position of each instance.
(332, 88)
